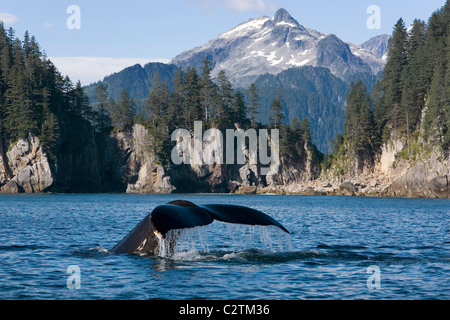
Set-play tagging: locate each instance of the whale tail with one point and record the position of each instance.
(181, 214)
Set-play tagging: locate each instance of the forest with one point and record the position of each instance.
(410, 101)
(35, 98)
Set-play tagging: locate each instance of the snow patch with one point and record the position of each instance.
(245, 28)
(284, 23)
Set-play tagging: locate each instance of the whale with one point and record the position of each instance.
(145, 238)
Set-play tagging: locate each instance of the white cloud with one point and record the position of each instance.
(48, 24)
(8, 18)
(238, 6)
(92, 69)
(247, 5)
(207, 5)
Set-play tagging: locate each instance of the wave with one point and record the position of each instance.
(22, 247)
(322, 254)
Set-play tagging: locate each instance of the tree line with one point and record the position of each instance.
(196, 96)
(35, 98)
(412, 99)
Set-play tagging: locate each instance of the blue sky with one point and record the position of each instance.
(145, 30)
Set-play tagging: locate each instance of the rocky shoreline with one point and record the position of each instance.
(125, 164)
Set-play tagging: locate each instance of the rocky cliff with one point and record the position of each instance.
(111, 163)
(423, 172)
(121, 162)
(24, 167)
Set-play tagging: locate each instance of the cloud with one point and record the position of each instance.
(247, 5)
(92, 69)
(207, 5)
(8, 18)
(238, 6)
(48, 24)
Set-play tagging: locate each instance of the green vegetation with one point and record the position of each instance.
(196, 96)
(35, 98)
(411, 102)
(417, 78)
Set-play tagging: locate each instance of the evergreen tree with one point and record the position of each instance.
(158, 102)
(49, 136)
(176, 103)
(435, 119)
(380, 113)
(226, 94)
(394, 72)
(123, 112)
(277, 116)
(19, 105)
(192, 99)
(434, 44)
(305, 131)
(207, 90)
(82, 105)
(359, 127)
(414, 85)
(239, 109)
(254, 105)
(102, 118)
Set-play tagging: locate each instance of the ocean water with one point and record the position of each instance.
(56, 247)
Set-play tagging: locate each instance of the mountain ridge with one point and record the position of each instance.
(272, 45)
(269, 46)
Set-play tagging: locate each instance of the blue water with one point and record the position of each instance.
(335, 244)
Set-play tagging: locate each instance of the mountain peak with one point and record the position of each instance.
(283, 16)
(272, 45)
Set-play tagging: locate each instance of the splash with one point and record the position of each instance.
(231, 237)
(180, 240)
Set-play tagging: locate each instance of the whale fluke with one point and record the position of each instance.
(180, 214)
(241, 215)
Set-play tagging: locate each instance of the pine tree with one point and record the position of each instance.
(446, 144)
(254, 105)
(435, 118)
(102, 118)
(192, 99)
(49, 136)
(207, 90)
(380, 113)
(394, 73)
(434, 44)
(82, 105)
(18, 102)
(359, 127)
(176, 103)
(226, 93)
(277, 116)
(158, 102)
(123, 113)
(305, 130)
(414, 86)
(5, 61)
(239, 109)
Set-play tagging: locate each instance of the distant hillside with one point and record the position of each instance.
(311, 93)
(137, 80)
(313, 70)
(272, 45)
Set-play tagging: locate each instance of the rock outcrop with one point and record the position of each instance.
(25, 167)
(391, 174)
(123, 163)
(145, 174)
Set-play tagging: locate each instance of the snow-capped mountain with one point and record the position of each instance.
(272, 45)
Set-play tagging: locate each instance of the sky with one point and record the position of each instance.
(100, 37)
